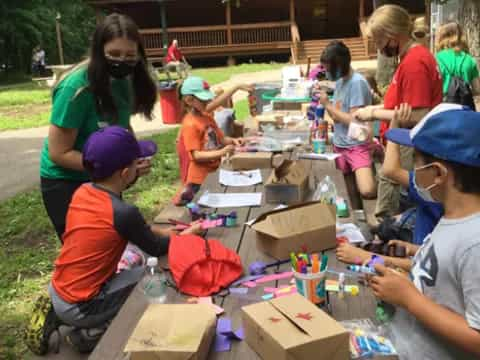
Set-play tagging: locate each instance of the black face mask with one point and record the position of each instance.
(390, 51)
(120, 69)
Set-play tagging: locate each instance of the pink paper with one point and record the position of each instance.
(205, 300)
(218, 309)
(270, 289)
(250, 284)
(274, 277)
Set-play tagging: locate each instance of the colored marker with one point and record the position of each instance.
(324, 262)
(293, 259)
(315, 266)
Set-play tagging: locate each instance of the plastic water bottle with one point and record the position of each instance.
(326, 192)
(154, 283)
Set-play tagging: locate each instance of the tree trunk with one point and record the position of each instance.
(469, 17)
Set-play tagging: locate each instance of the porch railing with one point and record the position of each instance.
(211, 36)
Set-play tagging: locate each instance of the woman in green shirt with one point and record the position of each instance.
(108, 88)
(453, 58)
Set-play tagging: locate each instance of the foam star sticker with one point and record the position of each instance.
(305, 316)
(274, 320)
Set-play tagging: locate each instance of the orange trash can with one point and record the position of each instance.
(169, 102)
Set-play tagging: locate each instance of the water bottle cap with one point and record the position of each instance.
(152, 261)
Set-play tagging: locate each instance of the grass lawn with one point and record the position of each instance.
(27, 104)
(28, 244)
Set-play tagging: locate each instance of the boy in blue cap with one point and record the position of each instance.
(438, 305)
(85, 291)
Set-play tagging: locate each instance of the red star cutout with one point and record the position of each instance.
(274, 320)
(206, 86)
(305, 316)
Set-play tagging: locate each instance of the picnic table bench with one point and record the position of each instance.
(242, 240)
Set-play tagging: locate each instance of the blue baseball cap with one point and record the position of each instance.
(113, 148)
(449, 132)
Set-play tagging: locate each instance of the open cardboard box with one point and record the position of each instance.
(173, 331)
(291, 327)
(311, 225)
(252, 161)
(287, 184)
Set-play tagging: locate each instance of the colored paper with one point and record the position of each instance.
(245, 279)
(270, 289)
(205, 300)
(284, 290)
(286, 293)
(250, 284)
(314, 156)
(225, 335)
(267, 296)
(230, 200)
(274, 277)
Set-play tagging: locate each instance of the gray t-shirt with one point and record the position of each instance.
(447, 270)
(349, 94)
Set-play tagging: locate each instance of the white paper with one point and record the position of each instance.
(221, 200)
(279, 207)
(240, 178)
(351, 232)
(314, 156)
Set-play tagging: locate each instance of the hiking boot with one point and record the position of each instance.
(85, 340)
(43, 323)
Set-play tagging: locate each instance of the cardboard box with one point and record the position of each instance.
(280, 232)
(173, 331)
(251, 161)
(291, 327)
(287, 184)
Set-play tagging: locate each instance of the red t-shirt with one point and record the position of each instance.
(174, 54)
(417, 82)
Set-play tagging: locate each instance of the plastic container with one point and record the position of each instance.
(154, 283)
(326, 192)
(311, 286)
(257, 101)
(169, 102)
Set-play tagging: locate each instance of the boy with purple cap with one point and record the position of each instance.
(438, 306)
(85, 290)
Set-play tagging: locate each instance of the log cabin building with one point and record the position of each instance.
(228, 28)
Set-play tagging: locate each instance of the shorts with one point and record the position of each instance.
(353, 158)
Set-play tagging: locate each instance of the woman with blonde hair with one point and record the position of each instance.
(416, 82)
(454, 59)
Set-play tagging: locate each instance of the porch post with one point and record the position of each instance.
(164, 25)
(362, 10)
(228, 19)
(292, 11)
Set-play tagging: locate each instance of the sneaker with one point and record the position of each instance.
(43, 323)
(85, 340)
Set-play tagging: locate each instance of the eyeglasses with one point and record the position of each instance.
(130, 60)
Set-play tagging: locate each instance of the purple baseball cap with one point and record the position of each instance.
(113, 148)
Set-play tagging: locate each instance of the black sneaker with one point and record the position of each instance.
(43, 323)
(84, 340)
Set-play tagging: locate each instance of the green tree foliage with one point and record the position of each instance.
(27, 23)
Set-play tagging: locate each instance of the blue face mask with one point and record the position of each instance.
(331, 77)
(424, 193)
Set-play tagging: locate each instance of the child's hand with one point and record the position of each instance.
(411, 249)
(194, 229)
(246, 87)
(393, 287)
(323, 98)
(352, 255)
(228, 150)
(364, 114)
(238, 141)
(401, 116)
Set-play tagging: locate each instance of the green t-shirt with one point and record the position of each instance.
(74, 108)
(455, 63)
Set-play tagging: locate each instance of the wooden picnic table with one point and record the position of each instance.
(242, 240)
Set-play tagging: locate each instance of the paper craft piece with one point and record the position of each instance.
(285, 290)
(314, 156)
(286, 293)
(245, 279)
(274, 277)
(225, 335)
(207, 300)
(351, 232)
(332, 286)
(240, 178)
(239, 290)
(279, 207)
(250, 284)
(270, 290)
(231, 200)
(268, 296)
(218, 309)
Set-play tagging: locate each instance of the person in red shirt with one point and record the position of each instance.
(416, 82)
(176, 61)
(86, 291)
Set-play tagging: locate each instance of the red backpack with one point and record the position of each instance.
(202, 267)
